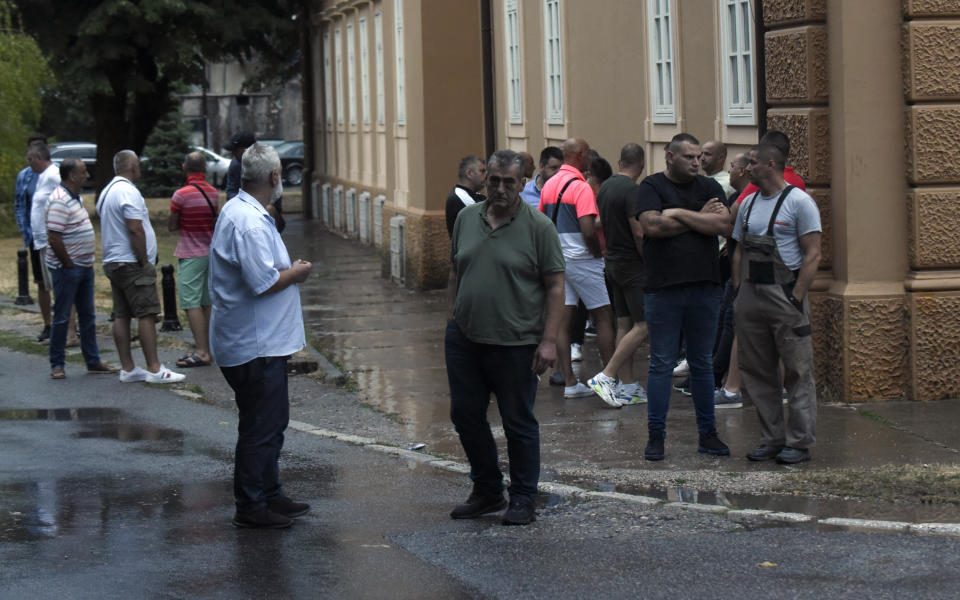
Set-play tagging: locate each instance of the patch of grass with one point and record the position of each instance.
(930, 484)
(28, 345)
(875, 417)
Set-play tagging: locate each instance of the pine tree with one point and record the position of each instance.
(161, 167)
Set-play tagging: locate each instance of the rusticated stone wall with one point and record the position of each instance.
(426, 249)
(930, 43)
(877, 349)
(797, 82)
(935, 344)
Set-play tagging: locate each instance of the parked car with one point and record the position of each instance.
(291, 157)
(216, 166)
(85, 151)
(273, 141)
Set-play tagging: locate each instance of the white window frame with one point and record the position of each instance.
(511, 21)
(662, 66)
(378, 53)
(553, 62)
(400, 64)
(351, 75)
(738, 63)
(327, 78)
(338, 75)
(364, 71)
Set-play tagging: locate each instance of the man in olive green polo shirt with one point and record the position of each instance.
(506, 296)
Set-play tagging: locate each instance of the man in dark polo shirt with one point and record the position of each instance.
(505, 295)
(682, 214)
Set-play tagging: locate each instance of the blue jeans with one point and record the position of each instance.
(73, 287)
(474, 371)
(692, 310)
(260, 390)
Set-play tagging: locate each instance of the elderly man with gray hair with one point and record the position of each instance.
(256, 324)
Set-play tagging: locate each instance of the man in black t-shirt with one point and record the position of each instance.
(624, 270)
(682, 214)
(471, 176)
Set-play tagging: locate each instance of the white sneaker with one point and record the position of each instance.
(681, 369)
(164, 375)
(133, 375)
(576, 353)
(606, 388)
(631, 393)
(577, 391)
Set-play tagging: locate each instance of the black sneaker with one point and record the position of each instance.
(792, 456)
(44, 335)
(287, 507)
(711, 444)
(479, 504)
(654, 449)
(520, 512)
(261, 519)
(764, 452)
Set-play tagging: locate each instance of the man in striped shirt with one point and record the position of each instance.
(69, 255)
(193, 212)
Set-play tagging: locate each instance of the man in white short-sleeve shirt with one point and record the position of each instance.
(129, 258)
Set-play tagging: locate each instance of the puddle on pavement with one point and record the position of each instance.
(60, 414)
(71, 506)
(820, 508)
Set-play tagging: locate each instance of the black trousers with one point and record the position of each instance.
(260, 389)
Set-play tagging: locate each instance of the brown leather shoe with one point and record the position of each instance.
(58, 373)
(101, 369)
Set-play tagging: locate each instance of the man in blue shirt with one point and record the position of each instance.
(22, 204)
(551, 159)
(256, 324)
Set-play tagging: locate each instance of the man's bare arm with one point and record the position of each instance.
(138, 240)
(546, 354)
(657, 225)
(55, 239)
(637, 230)
(810, 245)
(712, 219)
(588, 229)
(173, 221)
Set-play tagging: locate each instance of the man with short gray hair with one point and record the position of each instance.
(502, 334)
(256, 324)
(129, 258)
(470, 176)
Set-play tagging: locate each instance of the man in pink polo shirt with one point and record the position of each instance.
(576, 223)
(193, 211)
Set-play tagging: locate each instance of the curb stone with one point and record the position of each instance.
(562, 489)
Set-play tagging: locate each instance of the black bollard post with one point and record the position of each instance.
(170, 320)
(22, 279)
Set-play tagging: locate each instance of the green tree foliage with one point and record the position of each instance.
(23, 76)
(126, 57)
(168, 145)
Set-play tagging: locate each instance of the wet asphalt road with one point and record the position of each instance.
(123, 491)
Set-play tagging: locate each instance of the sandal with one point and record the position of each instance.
(58, 373)
(191, 360)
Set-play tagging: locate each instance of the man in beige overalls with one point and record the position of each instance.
(774, 263)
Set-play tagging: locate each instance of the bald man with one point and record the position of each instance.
(129, 255)
(713, 155)
(569, 201)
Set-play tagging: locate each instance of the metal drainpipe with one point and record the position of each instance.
(489, 124)
(759, 33)
(307, 106)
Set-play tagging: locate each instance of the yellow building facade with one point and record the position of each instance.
(400, 90)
